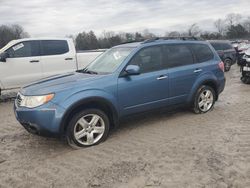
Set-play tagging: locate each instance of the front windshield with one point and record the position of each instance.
(109, 61)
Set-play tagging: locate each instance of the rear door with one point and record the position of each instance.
(183, 71)
(23, 65)
(147, 90)
(57, 57)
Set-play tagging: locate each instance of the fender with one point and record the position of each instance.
(89, 96)
(203, 79)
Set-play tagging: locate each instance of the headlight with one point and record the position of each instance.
(35, 101)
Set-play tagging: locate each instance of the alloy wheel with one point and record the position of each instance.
(89, 129)
(205, 101)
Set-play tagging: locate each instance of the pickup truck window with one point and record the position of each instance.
(24, 49)
(109, 61)
(54, 47)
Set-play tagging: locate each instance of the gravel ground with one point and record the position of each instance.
(178, 149)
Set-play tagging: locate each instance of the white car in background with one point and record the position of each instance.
(26, 60)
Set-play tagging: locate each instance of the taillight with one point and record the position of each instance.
(221, 65)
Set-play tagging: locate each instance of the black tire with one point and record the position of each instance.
(195, 107)
(227, 64)
(245, 79)
(72, 141)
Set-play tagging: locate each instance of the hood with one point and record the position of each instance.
(58, 83)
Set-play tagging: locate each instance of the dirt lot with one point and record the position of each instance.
(177, 149)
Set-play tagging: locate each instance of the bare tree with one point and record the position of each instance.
(246, 24)
(233, 19)
(194, 30)
(8, 33)
(147, 35)
(220, 26)
(173, 34)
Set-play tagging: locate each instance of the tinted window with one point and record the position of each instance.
(217, 46)
(54, 47)
(202, 52)
(177, 55)
(24, 49)
(226, 46)
(148, 59)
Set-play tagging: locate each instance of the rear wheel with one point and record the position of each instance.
(227, 64)
(204, 99)
(87, 128)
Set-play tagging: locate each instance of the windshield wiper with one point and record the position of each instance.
(85, 70)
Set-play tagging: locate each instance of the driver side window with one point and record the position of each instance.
(24, 49)
(148, 59)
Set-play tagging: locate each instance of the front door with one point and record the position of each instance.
(147, 90)
(23, 65)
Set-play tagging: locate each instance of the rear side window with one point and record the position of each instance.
(217, 46)
(24, 49)
(177, 55)
(148, 59)
(226, 46)
(202, 52)
(54, 47)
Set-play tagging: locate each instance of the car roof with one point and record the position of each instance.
(219, 41)
(160, 41)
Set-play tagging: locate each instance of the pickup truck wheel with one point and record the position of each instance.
(204, 99)
(87, 128)
(227, 64)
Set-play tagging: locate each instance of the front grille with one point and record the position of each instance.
(19, 99)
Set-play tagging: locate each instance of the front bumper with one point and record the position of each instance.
(44, 120)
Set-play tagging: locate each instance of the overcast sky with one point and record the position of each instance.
(63, 17)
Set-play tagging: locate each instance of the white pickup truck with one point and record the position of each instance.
(26, 60)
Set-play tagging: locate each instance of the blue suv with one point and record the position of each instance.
(125, 80)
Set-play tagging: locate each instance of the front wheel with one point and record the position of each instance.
(87, 128)
(204, 99)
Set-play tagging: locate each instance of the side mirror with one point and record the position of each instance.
(132, 70)
(4, 56)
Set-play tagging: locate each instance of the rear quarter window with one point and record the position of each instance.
(202, 52)
(54, 47)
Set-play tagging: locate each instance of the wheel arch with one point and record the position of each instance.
(92, 102)
(209, 82)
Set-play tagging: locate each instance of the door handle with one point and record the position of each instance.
(162, 77)
(197, 70)
(34, 61)
(68, 58)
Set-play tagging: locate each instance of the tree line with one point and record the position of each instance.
(233, 26)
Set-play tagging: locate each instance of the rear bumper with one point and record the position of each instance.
(43, 121)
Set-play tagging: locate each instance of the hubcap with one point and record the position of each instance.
(89, 129)
(206, 100)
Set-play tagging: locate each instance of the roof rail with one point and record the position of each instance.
(172, 38)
